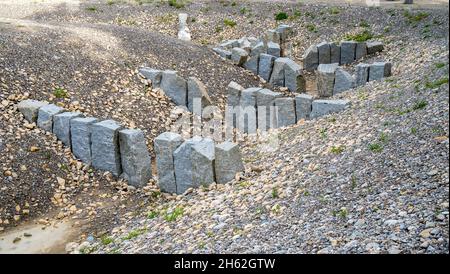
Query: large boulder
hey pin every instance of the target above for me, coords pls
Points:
(311, 58)
(105, 146)
(61, 126)
(293, 77)
(153, 75)
(194, 163)
(285, 111)
(165, 145)
(265, 100)
(265, 66)
(303, 106)
(343, 81)
(135, 159)
(30, 109)
(197, 93)
(324, 53)
(325, 79)
(81, 131)
(174, 87)
(348, 52)
(324, 107)
(228, 162)
(45, 116)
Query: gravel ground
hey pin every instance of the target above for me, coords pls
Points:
(372, 179)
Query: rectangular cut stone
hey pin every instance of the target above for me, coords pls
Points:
(233, 100)
(374, 47)
(135, 159)
(362, 74)
(272, 36)
(285, 111)
(229, 44)
(265, 101)
(265, 66)
(277, 76)
(81, 130)
(387, 69)
(324, 53)
(335, 53)
(234, 93)
(325, 79)
(361, 50)
(45, 116)
(376, 71)
(165, 145)
(247, 121)
(324, 107)
(30, 109)
(194, 163)
(228, 162)
(311, 58)
(343, 81)
(253, 40)
(273, 49)
(153, 75)
(285, 32)
(239, 56)
(196, 89)
(105, 146)
(174, 87)
(226, 54)
(258, 49)
(286, 49)
(61, 126)
(293, 77)
(252, 64)
(348, 51)
(303, 105)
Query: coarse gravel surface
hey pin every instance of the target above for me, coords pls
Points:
(371, 179)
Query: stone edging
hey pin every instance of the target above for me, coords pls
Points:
(106, 145)
(267, 57)
(344, 53)
(182, 92)
(266, 109)
(332, 79)
(194, 162)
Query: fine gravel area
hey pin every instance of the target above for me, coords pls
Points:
(371, 179)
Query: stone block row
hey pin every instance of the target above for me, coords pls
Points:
(256, 108)
(182, 92)
(344, 53)
(105, 145)
(183, 164)
(267, 57)
(332, 79)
